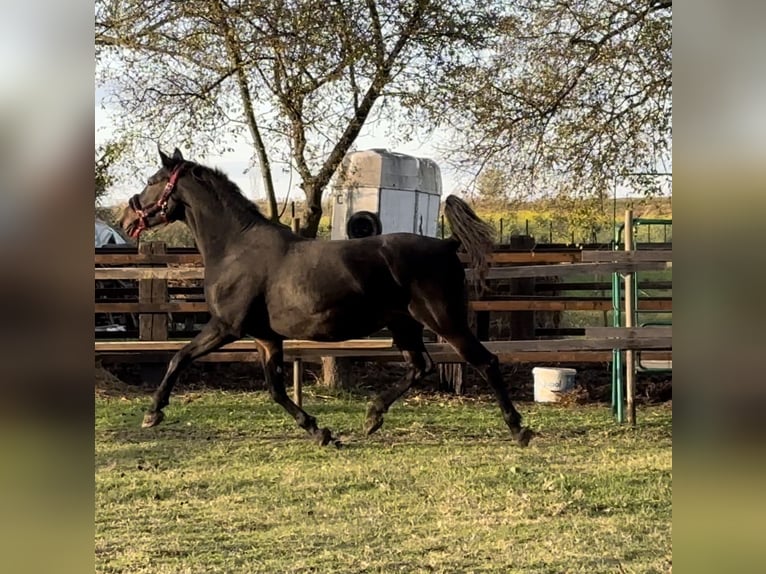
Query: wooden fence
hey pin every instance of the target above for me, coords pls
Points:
(150, 297)
(153, 266)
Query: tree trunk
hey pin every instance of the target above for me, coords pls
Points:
(313, 213)
(336, 373)
(452, 378)
(235, 59)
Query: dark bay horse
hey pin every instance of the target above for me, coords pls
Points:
(264, 281)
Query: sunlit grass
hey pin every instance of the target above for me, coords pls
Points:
(229, 484)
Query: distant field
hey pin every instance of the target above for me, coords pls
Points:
(230, 484)
(545, 225)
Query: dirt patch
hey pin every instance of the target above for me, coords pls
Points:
(109, 385)
(593, 381)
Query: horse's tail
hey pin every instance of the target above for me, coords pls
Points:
(476, 236)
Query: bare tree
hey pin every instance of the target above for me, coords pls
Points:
(299, 79)
(575, 95)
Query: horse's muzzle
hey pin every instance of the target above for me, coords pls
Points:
(130, 222)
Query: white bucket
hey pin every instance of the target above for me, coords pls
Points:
(550, 381)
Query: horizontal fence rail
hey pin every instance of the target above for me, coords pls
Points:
(153, 267)
(383, 349)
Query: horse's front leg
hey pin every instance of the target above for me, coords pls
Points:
(212, 336)
(273, 368)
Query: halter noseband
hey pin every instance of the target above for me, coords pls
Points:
(160, 205)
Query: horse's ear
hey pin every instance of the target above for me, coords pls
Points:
(166, 160)
(170, 162)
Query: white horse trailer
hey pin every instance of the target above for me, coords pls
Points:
(377, 191)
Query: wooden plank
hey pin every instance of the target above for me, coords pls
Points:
(598, 286)
(596, 344)
(164, 356)
(557, 332)
(632, 332)
(572, 269)
(243, 344)
(131, 307)
(630, 312)
(122, 293)
(361, 347)
(498, 257)
(529, 257)
(144, 298)
(298, 382)
(557, 270)
(450, 356)
(102, 273)
(442, 352)
(549, 357)
(661, 255)
(503, 305)
(361, 344)
(655, 304)
(558, 357)
(147, 258)
(643, 364)
(532, 257)
(159, 295)
(552, 357)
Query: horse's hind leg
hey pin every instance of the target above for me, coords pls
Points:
(447, 317)
(213, 335)
(273, 368)
(471, 349)
(408, 336)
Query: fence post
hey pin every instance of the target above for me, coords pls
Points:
(298, 382)
(297, 363)
(144, 296)
(523, 322)
(630, 277)
(152, 326)
(451, 376)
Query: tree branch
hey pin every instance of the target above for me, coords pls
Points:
(596, 49)
(377, 33)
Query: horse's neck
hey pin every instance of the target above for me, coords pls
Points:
(217, 234)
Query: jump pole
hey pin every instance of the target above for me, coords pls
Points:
(297, 363)
(630, 286)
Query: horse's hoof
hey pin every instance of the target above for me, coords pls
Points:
(524, 436)
(324, 437)
(373, 424)
(152, 419)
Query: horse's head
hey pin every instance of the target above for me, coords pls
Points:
(158, 203)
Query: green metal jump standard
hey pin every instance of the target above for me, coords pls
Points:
(619, 365)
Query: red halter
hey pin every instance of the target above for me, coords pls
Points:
(160, 205)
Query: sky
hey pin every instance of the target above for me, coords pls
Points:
(235, 163)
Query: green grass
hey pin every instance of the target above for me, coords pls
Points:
(229, 484)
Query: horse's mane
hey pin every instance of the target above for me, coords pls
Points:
(228, 193)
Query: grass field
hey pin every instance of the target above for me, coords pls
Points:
(229, 484)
